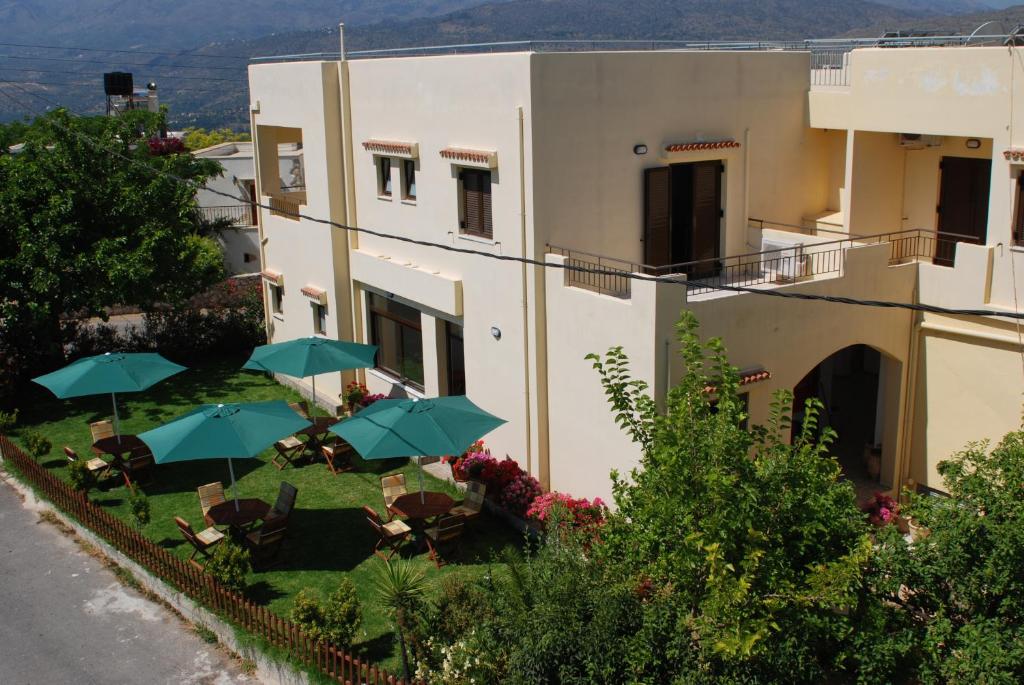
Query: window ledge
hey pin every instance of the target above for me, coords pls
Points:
(407, 201)
(1017, 248)
(475, 238)
(413, 392)
(385, 198)
(277, 317)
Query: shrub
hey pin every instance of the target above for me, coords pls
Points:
(138, 508)
(335, 621)
(578, 512)
(519, 493)
(37, 444)
(883, 509)
(8, 420)
(230, 566)
(79, 476)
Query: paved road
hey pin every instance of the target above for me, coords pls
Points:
(64, 618)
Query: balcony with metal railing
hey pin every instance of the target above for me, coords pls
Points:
(784, 263)
(237, 215)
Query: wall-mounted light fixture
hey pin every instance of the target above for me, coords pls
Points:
(973, 143)
(640, 149)
(496, 332)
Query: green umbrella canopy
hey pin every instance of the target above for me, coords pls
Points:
(112, 372)
(416, 428)
(218, 431)
(310, 356)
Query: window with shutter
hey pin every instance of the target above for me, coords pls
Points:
(657, 216)
(1018, 212)
(476, 203)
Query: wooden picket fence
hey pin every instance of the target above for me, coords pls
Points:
(325, 658)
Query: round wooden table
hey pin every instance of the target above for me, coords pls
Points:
(115, 447)
(433, 504)
(249, 511)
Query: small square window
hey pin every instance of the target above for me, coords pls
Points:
(408, 179)
(276, 299)
(319, 318)
(384, 176)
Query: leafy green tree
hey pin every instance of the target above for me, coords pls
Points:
(85, 222)
(757, 548)
(958, 593)
(199, 138)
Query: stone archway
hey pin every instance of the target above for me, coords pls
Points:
(860, 390)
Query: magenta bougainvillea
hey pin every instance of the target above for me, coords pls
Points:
(883, 509)
(582, 513)
(166, 146)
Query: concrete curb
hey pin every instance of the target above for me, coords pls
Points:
(268, 670)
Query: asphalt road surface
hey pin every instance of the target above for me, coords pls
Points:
(65, 618)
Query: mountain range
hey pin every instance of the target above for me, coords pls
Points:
(203, 77)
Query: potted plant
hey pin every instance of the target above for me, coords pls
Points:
(353, 396)
(883, 510)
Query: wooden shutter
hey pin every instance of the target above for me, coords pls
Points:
(707, 211)
(657, 216)
(1018, 212)
(476, 202)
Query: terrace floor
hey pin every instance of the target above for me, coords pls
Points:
(328, 536)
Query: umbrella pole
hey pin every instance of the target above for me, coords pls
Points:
(419, 465)
(234, 486)
(117, 422)
(313, 407)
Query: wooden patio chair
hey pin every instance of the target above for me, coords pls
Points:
(100, 430)
(138, 468)
(265, 542)
(473, 503)
(286, 495)
(301, 408)
(210, 495)
(390, 534)
(392, 487)
(338, 455)
(201, 542)
(448, 530)
(97, 467)
(287, 450)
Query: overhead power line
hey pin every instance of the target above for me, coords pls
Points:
(123, 64)
(130, 52)
(789, 295)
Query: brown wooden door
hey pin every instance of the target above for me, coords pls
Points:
(705, 231)
(963, 204)
(254, 211)
(657, 216)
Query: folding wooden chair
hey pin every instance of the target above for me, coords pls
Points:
(282, 508)
(265, 542)
(392, 487)
(338, 455)
(138, 467)
(100, 430)
(201, 542)
(390, 534)
(287, 450)
(210, 495)
(97, 467)
(448, 530)
(473, 503)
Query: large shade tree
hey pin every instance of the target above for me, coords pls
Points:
(87, 220)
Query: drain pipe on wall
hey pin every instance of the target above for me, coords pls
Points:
(525, 280)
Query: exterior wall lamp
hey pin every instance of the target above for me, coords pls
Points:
(496, 332)
(640, 149)
(973, 143)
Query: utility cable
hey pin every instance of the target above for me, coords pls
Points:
(809, 297)
(131, 52)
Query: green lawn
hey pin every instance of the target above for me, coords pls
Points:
(328, 534)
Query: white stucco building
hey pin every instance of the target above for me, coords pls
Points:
(887, 174)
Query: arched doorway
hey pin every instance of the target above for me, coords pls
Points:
(859, 388)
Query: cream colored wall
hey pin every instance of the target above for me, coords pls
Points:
(786, 337)
(305, 95)
(922, 177)
(876, 184)
(591, 109)
(439, 102)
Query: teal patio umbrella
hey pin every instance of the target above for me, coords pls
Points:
(224, 431)
(310, 356)
(111, 372)
(416, 428)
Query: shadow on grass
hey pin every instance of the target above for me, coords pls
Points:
(376, 649)
(328, 539)
(263, 593)
(170, 543)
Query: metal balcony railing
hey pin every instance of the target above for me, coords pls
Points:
(781, 265)
(238, 215)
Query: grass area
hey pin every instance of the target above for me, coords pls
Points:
(328, 536)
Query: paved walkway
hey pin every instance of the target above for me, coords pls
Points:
(65, 618)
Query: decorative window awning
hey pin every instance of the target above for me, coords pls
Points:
(395, 148)
(698, 147)
(746, 378)
(482, 158)
(1014, 154)
(318, 295)
(273, 277)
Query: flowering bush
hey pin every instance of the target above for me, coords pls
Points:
(371, 398)
(583, 513)
(883, 509)
(165, 146)
(519, 493)
(354, 393)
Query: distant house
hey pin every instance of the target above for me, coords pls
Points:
(241, 244)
